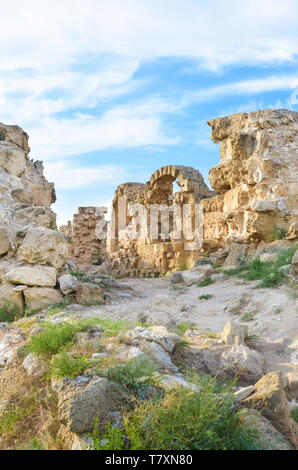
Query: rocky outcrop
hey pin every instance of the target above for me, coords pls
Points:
(31, 250)
(257, 177)
(270, 399)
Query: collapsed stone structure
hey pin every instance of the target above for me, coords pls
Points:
(255, 199)
(159, 252)
(85, 246)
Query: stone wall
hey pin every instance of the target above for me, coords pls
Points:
(148, 255)
(84, 244)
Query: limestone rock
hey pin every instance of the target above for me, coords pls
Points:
(257, 176)
(40, 297)
(4, 242)
(84, 399)
(88, 294)
(196, 275)
(245, 362)
(10, 297)
(68, 284)
(9, 345)
(270, 399)
(12, 159)
(292, 384)
(40, 276)
(44, 246)
(234, 334)
(34, 366)
(157, 334)
(158, 354)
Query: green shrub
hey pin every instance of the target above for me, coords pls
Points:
(206, 297)
(269, 273)
(54, 338)
(66, 365)
(184, 420)
(135, 376)
(205, 283)
(182, 328)
(10, 313)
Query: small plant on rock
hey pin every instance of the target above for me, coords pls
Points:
(67, 365)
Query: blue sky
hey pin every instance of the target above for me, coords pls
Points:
(110, 90)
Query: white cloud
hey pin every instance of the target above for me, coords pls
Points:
(57, 32)
(118, 128)
(70, 176)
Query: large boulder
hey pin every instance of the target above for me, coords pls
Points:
(41, 297)
(157, 334)
(10, 296)
(4, 242)
(270, 399)
(41, 276)
(244, 362)
(44, 246)
(84, 399)
(89, 294)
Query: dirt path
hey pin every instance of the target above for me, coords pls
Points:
(272, 313)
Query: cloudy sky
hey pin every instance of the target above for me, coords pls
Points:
(110, 90)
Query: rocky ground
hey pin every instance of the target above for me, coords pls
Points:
(203, 321)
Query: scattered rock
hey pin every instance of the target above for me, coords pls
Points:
(244, 362)
(88, 294)
(68, 284)
(234, 334)
(34, 366)
(9, 346)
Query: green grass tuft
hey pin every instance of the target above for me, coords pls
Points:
(10, 313)
(205, 283)
(66, 365)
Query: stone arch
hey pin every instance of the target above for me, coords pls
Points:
(190, 181)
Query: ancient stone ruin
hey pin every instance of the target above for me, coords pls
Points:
(255, 200)
(85, 246)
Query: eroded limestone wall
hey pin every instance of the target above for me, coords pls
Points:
(257, 178)
(85, 247)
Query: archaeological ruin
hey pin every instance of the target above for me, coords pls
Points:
(254, 200)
